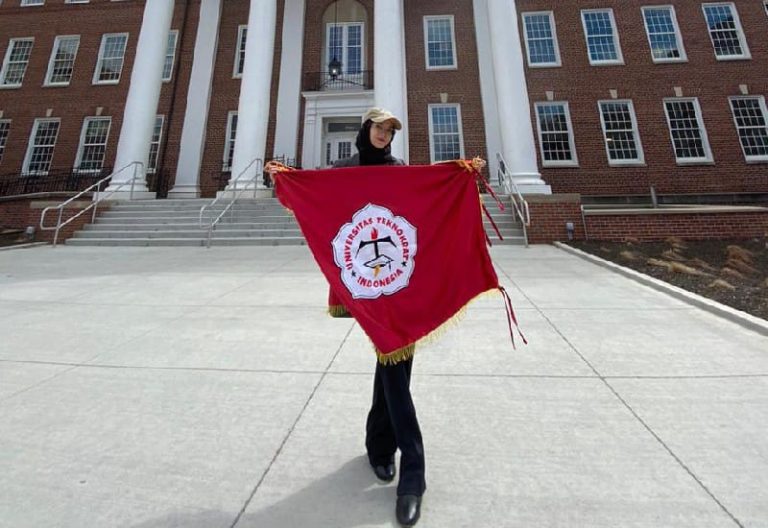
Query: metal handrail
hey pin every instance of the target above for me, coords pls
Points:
(98, 198)
(518, 201)
(235, 197)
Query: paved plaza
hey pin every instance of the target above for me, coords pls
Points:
(194, 388)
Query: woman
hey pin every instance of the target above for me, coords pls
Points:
(392, 421)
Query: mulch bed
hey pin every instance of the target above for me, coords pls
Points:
(731, 272)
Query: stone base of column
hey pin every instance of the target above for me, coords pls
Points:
(184, 191)
(531, 184)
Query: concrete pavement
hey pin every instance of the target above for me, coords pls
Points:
(185, 387)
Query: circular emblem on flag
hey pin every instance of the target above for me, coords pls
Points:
(375, 252)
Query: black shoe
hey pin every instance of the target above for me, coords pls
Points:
(384, 472)
(408, 509)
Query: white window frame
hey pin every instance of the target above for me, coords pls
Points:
(765, 5)
(31, 144)
(52, 60)
(640, 160)
(174, 33)
(745, 53)
(555, 43)
(708, 159)
(678, 35)
(6, 61)
(81, 146)
(30, 3)
(100, 60)
(619, 60)
(237, 72)
(761, 104)
(159, 143)
(5, 140)
(229, 143)
(455, 64)
(77, 1)
(574, 161)
(431, 128)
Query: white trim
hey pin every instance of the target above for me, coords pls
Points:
(237, 69)
(574, 161)
(745, 53)
(678, 35)
(100, 59)
(175, 33)
(553, 28)
(708, 158)
(619, 60)
(81, 145)
(4, 71)
(427, 20)
(640, 160)
(52, 60)
(344, 45)
(31, 143)
(432, 107)
(5, 143)
(764, 110)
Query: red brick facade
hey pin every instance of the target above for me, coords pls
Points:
(647, 84)
(21, 212)
(577, 82)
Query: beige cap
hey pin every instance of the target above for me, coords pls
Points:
(379, 115)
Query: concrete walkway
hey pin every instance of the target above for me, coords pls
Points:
(184, 387)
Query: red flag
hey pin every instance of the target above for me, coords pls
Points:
(402, 247)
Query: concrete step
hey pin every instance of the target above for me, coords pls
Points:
(197, 233)
(113, 226)
(169, 242)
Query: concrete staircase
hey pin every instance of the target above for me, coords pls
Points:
(252, 222)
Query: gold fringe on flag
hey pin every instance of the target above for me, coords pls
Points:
(407, 352)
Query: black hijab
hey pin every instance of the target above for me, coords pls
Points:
(370, 155)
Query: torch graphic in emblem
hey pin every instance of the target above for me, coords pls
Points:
(379, 260)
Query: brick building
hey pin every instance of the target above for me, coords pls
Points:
(602, 98)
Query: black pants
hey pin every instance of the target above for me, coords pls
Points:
(392, 423)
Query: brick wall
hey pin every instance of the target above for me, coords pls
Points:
(646, 83)
(650, 227)
(81, 98)
(18, 213)
(549, 215)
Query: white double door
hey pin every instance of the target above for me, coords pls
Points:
(339, 145)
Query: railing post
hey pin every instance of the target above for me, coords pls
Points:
(58, 227)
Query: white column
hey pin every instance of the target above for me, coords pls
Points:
(193, 134)
(389, 67)
(518, 146)
(255, 86)
(144, 93)
(289, 94)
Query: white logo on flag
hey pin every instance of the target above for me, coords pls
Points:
(375, 252)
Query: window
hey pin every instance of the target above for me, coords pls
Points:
(445, 135)
(602, 40)
(154, 145)
(750, 116)
(15, 63)
(541, 39)
(663, 34)
(765, 4)
(170, 55)
(111, 55)
(242, 36)
(41, 144)
(725, 31)
(32, 2)
(229, 143)
(686, 128)
(76, 1)
(62, 62)
(439, 41)
(5, 127)
(622, 140)
(344, 42)
(93, 144)
(555, 135)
